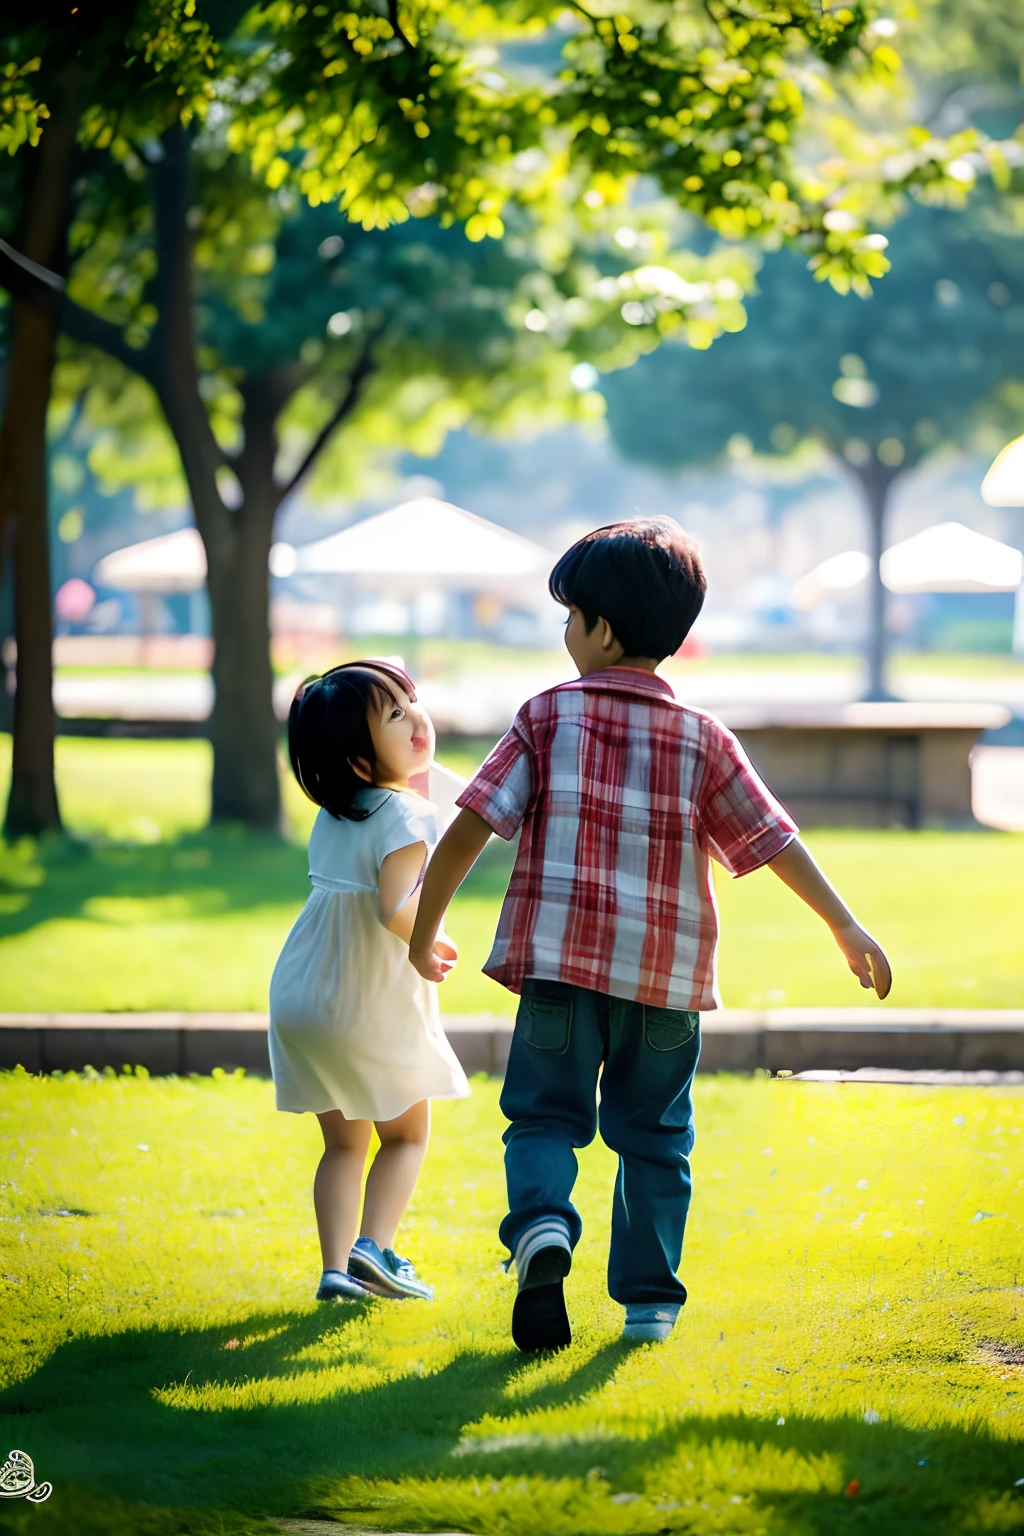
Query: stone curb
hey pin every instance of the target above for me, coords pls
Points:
(733, 1040)
(336, 1528)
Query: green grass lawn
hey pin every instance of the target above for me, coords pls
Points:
(439, 655)
(856, 1314)
(142, 909)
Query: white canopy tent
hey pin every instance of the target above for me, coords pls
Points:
(833, 577)
(951, 558)
(945, 558)
(175, 562)
(420, 544)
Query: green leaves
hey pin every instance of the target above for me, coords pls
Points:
(143, 64)
(418, 112)
(22, 114)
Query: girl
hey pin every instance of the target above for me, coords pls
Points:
(355, 1034)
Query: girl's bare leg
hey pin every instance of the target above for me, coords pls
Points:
(337, 1185)
(393, 1173)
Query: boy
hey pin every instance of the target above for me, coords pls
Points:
(609, 926)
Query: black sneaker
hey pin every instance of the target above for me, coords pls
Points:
(539, 1318)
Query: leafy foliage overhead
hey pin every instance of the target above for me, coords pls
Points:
(428, 111)
(935, 351)
(296, 300)
(146, 63)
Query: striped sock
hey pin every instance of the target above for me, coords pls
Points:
(550, 1232)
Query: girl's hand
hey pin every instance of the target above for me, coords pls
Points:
(865, 957)
(434, 963)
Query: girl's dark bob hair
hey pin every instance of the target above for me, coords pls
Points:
(328, 730)
(644, 576)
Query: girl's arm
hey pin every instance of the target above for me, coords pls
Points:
(398, 890)
(451, 862)
(864, 955)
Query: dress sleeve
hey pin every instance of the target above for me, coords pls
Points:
(500, 790)
(746, 824)
(405, 819)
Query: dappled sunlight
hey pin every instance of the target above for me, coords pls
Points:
(132, 910)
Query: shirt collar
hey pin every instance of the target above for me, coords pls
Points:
(634, 680)
(371, 798)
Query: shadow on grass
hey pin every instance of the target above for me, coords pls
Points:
(221, 870)
(124, 1413)
(167, 1431)
(225, 869)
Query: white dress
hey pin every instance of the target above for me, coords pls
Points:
(353, 1026)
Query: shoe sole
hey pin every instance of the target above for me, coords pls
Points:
(539, 1318)
(343, 1295)
(380, 1284)
(645, 1333)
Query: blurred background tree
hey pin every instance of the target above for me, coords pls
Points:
(879, 383)
(73, 78)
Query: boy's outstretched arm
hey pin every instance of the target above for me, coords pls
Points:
(864, 955)
(451, 862)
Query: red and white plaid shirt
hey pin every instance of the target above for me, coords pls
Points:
(621, 793)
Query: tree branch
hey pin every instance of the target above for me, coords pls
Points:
(46, 292)
(396, 24)
(29, 282)
(92, 330)
(364, 367)
(582, 11)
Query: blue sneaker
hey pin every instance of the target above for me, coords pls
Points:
(335, 1286)
(649, 1322)
(385, 1274)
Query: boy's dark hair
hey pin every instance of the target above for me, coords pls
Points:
(643, 576)
(328, 729)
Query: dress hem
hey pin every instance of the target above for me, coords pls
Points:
(288, 1109)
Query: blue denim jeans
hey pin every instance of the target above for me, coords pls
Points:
(566, 1039)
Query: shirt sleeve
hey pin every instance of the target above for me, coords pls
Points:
(501, 789)
(746, 824)
(405, 820)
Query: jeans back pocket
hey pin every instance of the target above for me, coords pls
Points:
(545, 1014)
(668, 1029)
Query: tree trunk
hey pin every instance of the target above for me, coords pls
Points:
(877, 634)
(875, 482)
(32, 802)
(237, 543)
(243, 728)
(245, 778)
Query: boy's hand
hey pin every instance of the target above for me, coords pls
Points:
(865, 957)
(435, 962)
